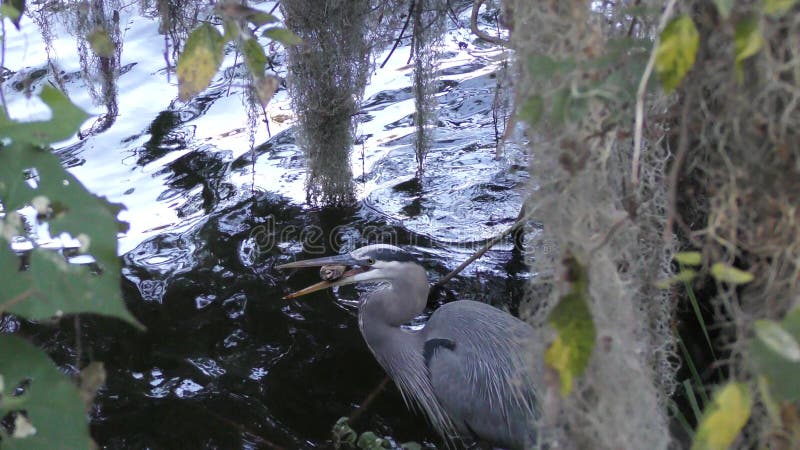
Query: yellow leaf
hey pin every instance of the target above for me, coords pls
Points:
(729, 274)
(557, 356)
(199, 61)
(101, 42)
(676, 51)
(724, 418)
(689, 258)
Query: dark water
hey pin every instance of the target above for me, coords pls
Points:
(225, 363)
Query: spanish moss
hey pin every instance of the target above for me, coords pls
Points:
(327, 75)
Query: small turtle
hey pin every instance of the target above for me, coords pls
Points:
(331, 273)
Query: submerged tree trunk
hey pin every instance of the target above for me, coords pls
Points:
(327, 74)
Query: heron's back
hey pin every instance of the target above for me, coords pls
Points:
(479, 362)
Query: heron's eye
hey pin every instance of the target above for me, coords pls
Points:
(370, 261)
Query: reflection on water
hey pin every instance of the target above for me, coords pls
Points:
(225, 362)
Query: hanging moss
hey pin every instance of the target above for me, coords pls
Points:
(579, 70)
(327, 75)
(429, 19)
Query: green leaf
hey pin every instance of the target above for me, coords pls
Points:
(532, 109)
(51, 402)
(343, 433)
(689, 258)
(724, 418)
(747, 42)
(676, 51)
(199, 61)
(684, 276)
(777, 339)
(51, 287)
(724, 7)
(569, 353)
(13, 9)
(101, 42)
(778, 7)
(66, 118)
(54, 285)
(560, 106)
(10, 12)
(781, 373)
(254, 57)
(283, 36)
(261, 18)
(729, 274)
(230, 30)
(371, 441)
(236, 11)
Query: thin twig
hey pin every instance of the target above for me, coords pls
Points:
(520, 221)
(10, 303)
(674, 171)
(367, 401)
(399, 38)
(637, 131)
(3, 64)
(78, 345)
(244, 430)
(608, 235)
(634, 22)
(473, 25)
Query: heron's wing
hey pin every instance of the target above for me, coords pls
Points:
(478, 359)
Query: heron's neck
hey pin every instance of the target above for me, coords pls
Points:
(397, 301)
(398, 350)
(383, 311)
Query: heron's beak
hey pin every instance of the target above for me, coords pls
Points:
(347, 277)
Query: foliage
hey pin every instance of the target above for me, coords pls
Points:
(344, 436)
(50, 414)
(101, 42)
(747, 42)
(676, 51)
(199, 61)
(66, 118)
(776, 355)
(47, 410)
(570, 351)
(724, 418)
(204, 50)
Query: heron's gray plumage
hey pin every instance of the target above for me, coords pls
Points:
(466, 370)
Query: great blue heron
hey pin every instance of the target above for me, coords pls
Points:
(468, 369)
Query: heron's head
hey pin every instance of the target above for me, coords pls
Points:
(379, 262)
